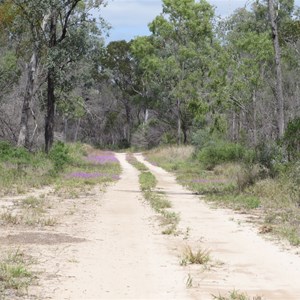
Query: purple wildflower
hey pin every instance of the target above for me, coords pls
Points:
(102, 159)
(85, 175)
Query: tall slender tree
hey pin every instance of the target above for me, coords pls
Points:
(277, 57)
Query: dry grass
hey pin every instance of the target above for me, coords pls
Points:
(169, 157)
(236, 295)
(200, 257)
(174, 152)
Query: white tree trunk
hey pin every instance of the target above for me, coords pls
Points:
(278, 87)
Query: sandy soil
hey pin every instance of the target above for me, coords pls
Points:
(109, 246)
(248, 262)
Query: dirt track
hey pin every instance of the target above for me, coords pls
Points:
(112, 248)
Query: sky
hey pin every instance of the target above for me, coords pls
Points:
(129, 18)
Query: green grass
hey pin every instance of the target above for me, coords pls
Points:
(236, 295)
(21, 170)
(14, 274)
(147, 181)
(157, 200)
(138, 165)
(15, 179)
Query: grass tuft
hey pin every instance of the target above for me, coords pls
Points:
(200, 257)
(14, 273)
(236, 295)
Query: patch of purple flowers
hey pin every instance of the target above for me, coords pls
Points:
(102, 159)
(85, 175)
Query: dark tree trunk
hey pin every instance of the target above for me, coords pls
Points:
(178, 122)
(278, 87)
(254, 118)
(49, 123)
(184, 131)
(128, 121)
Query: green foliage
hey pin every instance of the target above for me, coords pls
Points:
(218, 152)
(270, 156)
(147, 181)
(293, 181)
(291, 139)
(9, 71)
(14, 273)
(59, 155)
(14, 155)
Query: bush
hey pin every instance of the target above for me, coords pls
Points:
(59, 155)
(218, 152)
(294, 181)
(249, 175)
(291, 139)
(270, 156)
(16, 155)
(203, 137)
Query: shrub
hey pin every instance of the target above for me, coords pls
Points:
(59, 154)
(291, 139)
(270, 156)
(294, 182)
(15, 155)
(219, 152)
(203, 137)
(249, 175)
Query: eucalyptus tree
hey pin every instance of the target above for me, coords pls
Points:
(249, 56)
(178, 55)
(120, 69)
(9, 69)
(278, 68)
(59, 32)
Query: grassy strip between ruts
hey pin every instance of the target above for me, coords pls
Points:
(157, 201)
(272, 200)
(236, 295)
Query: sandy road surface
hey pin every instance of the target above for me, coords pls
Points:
(125, 258)
(109, 246)
(250, 263)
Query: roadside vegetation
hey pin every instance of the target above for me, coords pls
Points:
(158, 201)
(37, 192)
(66, 165)
(257, 181)
(15, 276)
